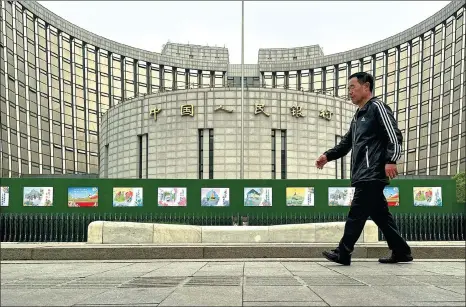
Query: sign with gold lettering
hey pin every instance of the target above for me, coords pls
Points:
(187, 110)
(326, 114)
(296, 111)
(154, 113)
(260, 109)
(221, 107)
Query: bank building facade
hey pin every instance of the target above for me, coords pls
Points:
(73, 102)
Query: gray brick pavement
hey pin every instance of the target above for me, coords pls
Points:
(250, 282)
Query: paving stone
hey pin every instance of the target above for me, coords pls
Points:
(387, 280)
(36, 283)
(177, 269)
(287, 304)
(215, 270)
(356, 296)
(279, 293)
(46, 297)
(457, 289)
(213, 281)
(331, 281)
(204, 296)
(128, 297)
(96, 281)
(266, 272)
(135, 269)
(438, 280)
(223, 283)
(262, 264)
(153, 282)
(427, 293)
(438, 303)
(316, 273)
(271, 281)
(302, 266)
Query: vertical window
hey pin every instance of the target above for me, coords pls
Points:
(304, 81)
(143, 141)
(280, 77)
(211, 153)
(201, 152)
(341, 81)
(205, 79)
(329, 81)
(180, 79)
(267, 80)
(293, 80)
(106, 162)
(316, 84)
(142, 79)
(116, 72)
(218, 79)
(168, 78)
(155, 78)
(193, 78)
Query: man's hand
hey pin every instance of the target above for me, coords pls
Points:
(321, 161)
(391, 171)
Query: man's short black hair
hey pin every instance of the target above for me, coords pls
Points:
(364, 77)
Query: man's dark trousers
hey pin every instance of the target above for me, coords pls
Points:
(369, 200)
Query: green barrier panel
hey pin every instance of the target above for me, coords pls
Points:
(150, 188)
(60, 223)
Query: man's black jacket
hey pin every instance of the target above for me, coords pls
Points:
(374, 140)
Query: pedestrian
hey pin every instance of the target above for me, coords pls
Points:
(375, 144)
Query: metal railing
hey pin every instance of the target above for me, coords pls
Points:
(72, 227)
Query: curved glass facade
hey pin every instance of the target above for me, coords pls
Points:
(56, 81)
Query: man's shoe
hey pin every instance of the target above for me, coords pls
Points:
(396, 258)
(336, 256)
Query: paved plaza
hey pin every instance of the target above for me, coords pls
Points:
(254, 282)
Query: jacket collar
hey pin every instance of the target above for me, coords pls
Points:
(365, 107)
(368, 103)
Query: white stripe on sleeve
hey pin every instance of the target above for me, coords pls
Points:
(390, 130)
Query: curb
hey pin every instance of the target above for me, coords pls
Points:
(83, 251)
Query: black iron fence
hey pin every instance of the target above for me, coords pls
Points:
(72, 227)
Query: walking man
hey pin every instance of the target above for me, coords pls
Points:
(375, 142)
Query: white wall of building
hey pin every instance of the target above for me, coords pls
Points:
(173, 139)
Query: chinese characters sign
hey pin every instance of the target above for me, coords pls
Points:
(296, 111)
(187, 110)
(326, 114)
(223, 109)
(154, 112)
(259, 108)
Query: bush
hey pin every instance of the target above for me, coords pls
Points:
(460, 187)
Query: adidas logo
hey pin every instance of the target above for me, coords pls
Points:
(363, 119)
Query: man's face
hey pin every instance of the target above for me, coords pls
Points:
(357, 91)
